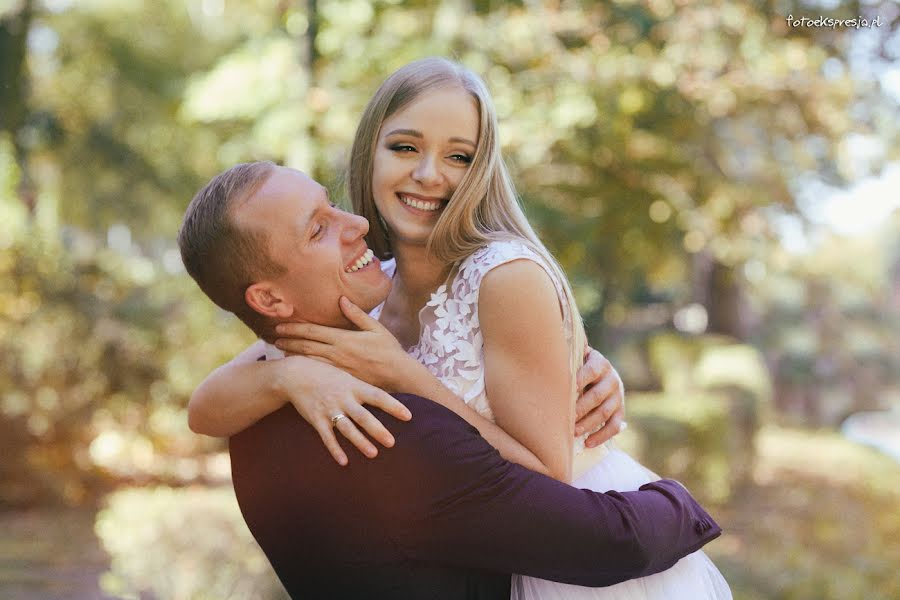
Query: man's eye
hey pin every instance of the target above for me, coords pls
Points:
(317, 232)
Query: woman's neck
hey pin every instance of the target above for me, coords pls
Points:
(419, 273)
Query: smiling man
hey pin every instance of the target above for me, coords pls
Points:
(440, 515)
(277, 248)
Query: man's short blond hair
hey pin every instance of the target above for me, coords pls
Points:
(225, 259)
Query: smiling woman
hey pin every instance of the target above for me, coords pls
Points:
(477, 301)
(421, 156)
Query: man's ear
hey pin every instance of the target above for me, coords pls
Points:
(267, 300)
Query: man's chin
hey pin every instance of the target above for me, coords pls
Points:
(373, 296)
(369, 303)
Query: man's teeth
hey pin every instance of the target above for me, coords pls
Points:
(361, 261)
(421, 205)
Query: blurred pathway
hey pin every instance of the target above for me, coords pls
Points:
(50, 555)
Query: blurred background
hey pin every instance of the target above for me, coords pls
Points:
(719, 179)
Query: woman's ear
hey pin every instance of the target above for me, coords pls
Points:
(266, 299)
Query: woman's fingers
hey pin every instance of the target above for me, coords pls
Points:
(370, 425)
(326, 432)
(305, 347)
(589, 408)
(614, 425)
(308, 331)
(369, 422)
(594, 369)
(348, 429)
(381, 399)
(358, 316)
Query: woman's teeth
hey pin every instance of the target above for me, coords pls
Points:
(361, 261)
(420, 204)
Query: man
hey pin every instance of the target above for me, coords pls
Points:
(440, 515)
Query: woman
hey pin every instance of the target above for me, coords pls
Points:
(476, 298)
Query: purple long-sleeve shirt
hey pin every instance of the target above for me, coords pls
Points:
(443, 515)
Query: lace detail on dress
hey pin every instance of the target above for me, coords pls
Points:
(451, 344)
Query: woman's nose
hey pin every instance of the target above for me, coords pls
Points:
(426, 172)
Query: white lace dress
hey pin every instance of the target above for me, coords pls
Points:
(451, 346)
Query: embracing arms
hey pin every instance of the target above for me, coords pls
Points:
(244, 390)
(488, 513)
(373, 354)
(444, 496)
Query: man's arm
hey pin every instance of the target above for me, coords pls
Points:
(478, 510)
(444, 497)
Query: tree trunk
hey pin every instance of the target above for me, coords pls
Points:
(726, 306)
(14, 91)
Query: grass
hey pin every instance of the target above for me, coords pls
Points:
(821, 520)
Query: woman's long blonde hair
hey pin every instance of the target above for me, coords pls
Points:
(483, 208)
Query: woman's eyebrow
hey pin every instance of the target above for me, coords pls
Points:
(463, 141)
(410, 132)
(418, 134)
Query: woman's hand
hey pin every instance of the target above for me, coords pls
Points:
(320, 392)
(371, 354)
(601, 406)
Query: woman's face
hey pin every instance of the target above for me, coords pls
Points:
(422, 153)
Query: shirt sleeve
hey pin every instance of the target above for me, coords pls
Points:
(471, 508)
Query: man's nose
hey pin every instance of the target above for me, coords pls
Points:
(354, 228)
(426, 172)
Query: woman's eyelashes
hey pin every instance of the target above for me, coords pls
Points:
(458, 157)
(462, 158)
(402, 148)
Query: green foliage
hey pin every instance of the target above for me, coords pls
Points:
(702, 426)
(647, 139)
(686, 437)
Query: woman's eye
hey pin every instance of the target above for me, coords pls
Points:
(317, 232)
(461, 158)
(402, 148)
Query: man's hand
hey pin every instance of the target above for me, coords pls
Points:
(601, 406)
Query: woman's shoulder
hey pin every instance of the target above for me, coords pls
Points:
(489, 257)
(498, 252)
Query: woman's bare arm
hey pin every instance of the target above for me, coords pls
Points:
(526, 361)
(235, 395)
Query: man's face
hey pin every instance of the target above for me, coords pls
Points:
(320, 246)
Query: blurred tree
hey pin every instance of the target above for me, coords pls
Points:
(15, 23)
(652, 142)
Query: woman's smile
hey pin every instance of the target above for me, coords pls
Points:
(423, 152)
(422, 204)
